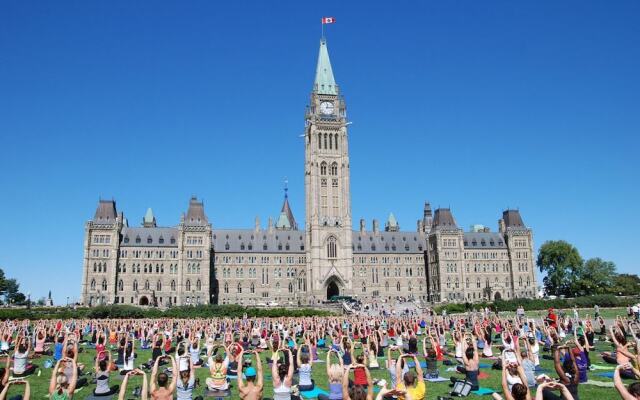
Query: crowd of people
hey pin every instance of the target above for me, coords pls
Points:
(408, 353)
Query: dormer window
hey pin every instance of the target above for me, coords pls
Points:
(149, 239)
(161, 240)
(126, 239)
(173, 240)
(138, 240)
(226, 246)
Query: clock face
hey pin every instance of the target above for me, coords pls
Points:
(326, 107)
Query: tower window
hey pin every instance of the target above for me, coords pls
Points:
(325, 141)
(323, 168)
(335, 137)
(332, 251)
(334, 168)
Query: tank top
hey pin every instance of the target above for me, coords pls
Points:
(102, 382)
(335, 391)
(304, 374)
(282, 392)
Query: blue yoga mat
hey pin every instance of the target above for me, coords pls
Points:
(606, 374)
(411, 364)
(485, 365)
(313, 394)
(482, 391)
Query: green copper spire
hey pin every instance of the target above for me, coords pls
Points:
(324, 83)
(149, 220)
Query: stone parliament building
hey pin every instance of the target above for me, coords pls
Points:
(193, 263)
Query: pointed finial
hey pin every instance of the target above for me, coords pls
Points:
(286, 187)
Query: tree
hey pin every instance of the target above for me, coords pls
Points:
(626, 285)
(595, 276)
(12, 290)
(560, 260)
(3, 282)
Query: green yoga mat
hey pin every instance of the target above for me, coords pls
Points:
(600, 367)
(482, 391)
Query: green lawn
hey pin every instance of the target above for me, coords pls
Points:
(39, 384)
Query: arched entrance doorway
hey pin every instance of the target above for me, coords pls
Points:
(497, 296)
(332, 290)
(144, 301)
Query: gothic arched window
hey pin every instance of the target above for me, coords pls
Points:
(188, 285)
(198, 285)
(330, 141)
(323, 168)
(334, 168)
(239, 288)
(159, 286)
(104, 284)
(173, 286)
(335, 137)
(332, 248)
(252, 288)
(135, 285)
(325, 140)
(120, 285)
(226, 287)
(398, 286)
(146, 285)
(93, 284)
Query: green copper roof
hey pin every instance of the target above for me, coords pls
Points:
(283, 221)
(392, 220)
(149, 219)
(324, 83)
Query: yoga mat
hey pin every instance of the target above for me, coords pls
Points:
(600, 367)
(482, 391)
(94, 397)
(438, 379)
(485, 365)
(606, 375)
(599, 383)
(411, 364)
(217, 393)
(313, 394)
(483, 375)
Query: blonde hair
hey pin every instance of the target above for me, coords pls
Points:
(335, 372)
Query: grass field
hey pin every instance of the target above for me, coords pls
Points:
(40, 380)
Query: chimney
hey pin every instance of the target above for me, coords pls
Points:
(376, 227)
(501, 227)
(257, 224)
(363, 225)
(270, 225)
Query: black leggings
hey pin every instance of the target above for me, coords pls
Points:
(30, 369)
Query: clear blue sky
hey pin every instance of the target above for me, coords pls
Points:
(474, 105)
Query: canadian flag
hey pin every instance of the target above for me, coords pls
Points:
(328, 20)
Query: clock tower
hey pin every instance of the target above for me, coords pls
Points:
(328, 230)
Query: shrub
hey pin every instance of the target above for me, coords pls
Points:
(605, 300)
(127, 311)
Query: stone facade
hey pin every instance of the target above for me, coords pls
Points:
(194, 263)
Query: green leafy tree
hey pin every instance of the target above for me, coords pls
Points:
(626, 285)
(12, 289)
(560, 261)
(3, 282)
(595, 276)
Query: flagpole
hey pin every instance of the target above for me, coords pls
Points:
(322, 29)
